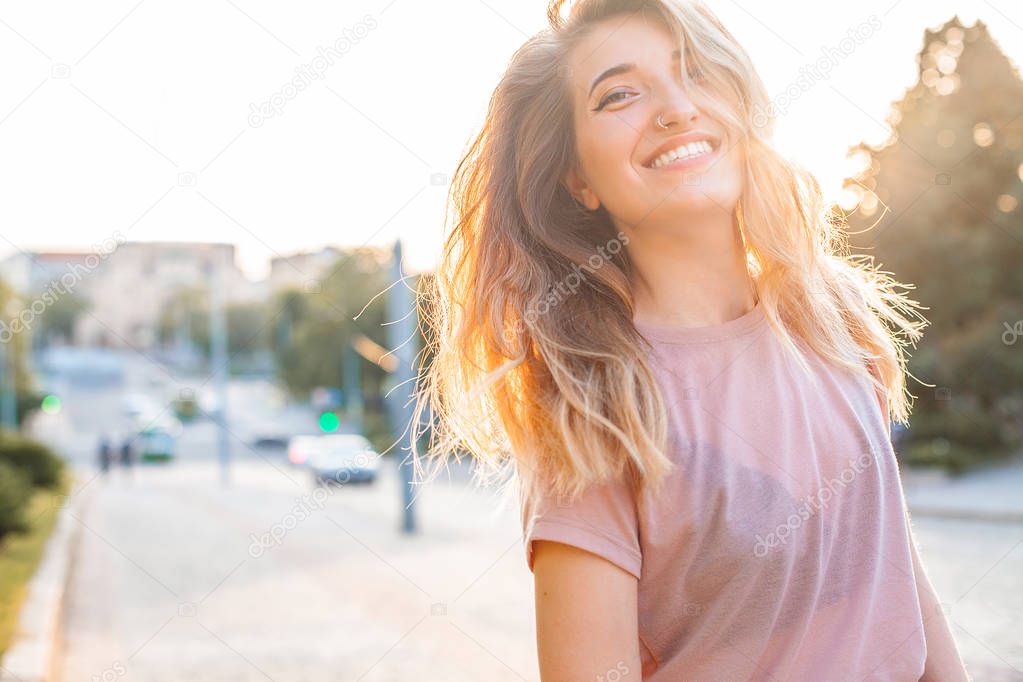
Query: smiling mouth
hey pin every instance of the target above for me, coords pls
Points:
(684, 153)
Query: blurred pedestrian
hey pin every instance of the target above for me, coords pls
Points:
(127, 455)
(106, 454)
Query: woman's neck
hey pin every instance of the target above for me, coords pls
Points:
(695, 277)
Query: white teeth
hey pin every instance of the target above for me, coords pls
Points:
(686, 151)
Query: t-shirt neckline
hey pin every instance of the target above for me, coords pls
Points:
(739, 326)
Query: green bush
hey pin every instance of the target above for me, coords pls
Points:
(968, 428)
(952, 457)
(15, 491)
(28, 402)
(39, 462)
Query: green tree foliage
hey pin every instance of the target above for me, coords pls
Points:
(313, 327)
(60, 317)
(24, 464)
(17, 340)
(940, 207)
(188, 313)
(41, 464)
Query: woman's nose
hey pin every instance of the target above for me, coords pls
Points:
(676, 109)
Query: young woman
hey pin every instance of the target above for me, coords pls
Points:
(646, 313)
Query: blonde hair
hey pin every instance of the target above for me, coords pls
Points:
(567, 399)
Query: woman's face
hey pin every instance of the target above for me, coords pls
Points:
(624, 73)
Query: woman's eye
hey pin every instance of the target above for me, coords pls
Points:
(610, 99)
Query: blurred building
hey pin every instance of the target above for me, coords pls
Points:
(127, 286)
(129, 291)
(30, 272)
(302, 270)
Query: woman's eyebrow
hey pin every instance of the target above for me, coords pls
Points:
(623, 68)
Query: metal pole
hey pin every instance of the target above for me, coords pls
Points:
(184, 336)
(353, 389)
(5, 397)
(401, 337)
(219, 360)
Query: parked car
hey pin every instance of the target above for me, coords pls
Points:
(343, 458)
(300, 447)
(135, 405)
(156, 444)
(270, 434)
(186, 407)
(270, 441)
(157, 419)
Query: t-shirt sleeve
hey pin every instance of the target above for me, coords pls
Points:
(602, 520)
(882, 399)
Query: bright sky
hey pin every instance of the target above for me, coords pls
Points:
(136, 117)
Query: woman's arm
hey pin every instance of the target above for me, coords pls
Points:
(943, 661)
(586, 616)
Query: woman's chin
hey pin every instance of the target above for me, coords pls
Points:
(697, 199)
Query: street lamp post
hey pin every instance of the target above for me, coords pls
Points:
(353, 389)
(218, 361)
(5, 392)
(402, 338)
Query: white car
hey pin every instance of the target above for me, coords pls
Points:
(343, 458)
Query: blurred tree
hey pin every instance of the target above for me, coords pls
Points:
(186, 316)
(314, 327)
(59, 319)
(16, 335)
(938, 205)
(247, 328)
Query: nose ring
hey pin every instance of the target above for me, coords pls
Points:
(660, 123)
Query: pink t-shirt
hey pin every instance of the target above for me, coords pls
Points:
(779, 549)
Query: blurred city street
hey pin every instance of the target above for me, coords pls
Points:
(236, 268)
(178, 577)
(171, 581)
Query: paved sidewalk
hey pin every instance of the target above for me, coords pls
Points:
(994, 494)
(175, 580)
(172, 582)
(969, 530)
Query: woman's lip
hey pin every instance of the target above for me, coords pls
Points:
(688, 164)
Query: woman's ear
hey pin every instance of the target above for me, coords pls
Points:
(579, 190)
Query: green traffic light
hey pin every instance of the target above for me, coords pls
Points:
(51, 404)
(329, 421)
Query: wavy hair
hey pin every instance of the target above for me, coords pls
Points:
(556, 390)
